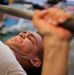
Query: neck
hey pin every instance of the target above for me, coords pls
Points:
(25, 63)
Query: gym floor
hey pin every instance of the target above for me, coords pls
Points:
(11, 20)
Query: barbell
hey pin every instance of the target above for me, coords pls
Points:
(69, 24)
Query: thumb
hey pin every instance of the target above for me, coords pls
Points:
(40, 13)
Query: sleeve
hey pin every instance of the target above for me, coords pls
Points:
(8, 63)
(15, 68)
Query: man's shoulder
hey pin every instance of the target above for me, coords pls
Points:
(8, 62)
(5, 50)
(6, 54)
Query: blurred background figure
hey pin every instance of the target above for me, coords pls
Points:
(3, 2)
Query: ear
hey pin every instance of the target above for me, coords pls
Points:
(35, 62)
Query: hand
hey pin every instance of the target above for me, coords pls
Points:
(47, 22)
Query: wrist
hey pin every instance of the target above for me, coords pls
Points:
(48, 36)
(53, 45)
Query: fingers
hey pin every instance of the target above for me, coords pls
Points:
(43, 13)
(62, 16)
(39, 14)
(46, 21)
(39, 22)
(36, 17)
(56, 16)
(52, 12)
(36, 14)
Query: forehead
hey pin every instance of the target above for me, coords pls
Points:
(37, 36)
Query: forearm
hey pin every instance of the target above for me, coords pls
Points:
(55, 60)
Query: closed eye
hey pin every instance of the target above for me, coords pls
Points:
(31, 40)
(31, 37)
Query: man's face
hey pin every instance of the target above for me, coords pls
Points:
(28, 43)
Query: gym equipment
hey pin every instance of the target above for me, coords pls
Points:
(69, 24)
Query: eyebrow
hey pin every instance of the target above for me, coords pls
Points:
(24, 32)
(33, 36)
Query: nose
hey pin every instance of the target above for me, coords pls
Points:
(24, 35)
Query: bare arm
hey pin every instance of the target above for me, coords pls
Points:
(56, 40)
(55, 56)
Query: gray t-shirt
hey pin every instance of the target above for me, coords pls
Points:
(8, 63)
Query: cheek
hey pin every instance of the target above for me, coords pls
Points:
(26, 46)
